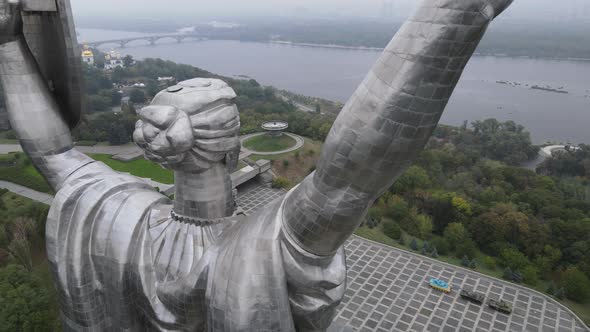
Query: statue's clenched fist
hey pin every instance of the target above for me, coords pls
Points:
(11, 25)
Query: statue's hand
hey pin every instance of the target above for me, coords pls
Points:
(11, 25)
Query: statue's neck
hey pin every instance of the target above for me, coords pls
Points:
(205, 195)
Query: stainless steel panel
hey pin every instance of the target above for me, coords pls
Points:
(39, 5)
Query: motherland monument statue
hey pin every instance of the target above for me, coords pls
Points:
(125, 257)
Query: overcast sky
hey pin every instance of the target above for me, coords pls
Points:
(543, 9)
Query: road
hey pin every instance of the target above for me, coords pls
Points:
(26, 192)
(301, 107)
(97, 149)
(544, 153)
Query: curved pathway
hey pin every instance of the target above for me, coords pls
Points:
(97, 149)
(26, 192)
(545, 153)
(246, 152)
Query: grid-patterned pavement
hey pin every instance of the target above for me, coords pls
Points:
(253, 196)
(388, 291)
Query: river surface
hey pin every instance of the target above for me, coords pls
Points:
(335, 73)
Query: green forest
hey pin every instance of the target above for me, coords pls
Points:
(466, 197)
(255, 102)
(532, 39)
(27, 299)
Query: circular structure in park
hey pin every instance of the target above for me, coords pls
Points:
(275, 128)
(269, 143)
(266, 145)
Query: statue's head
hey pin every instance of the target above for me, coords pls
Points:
(191, 126)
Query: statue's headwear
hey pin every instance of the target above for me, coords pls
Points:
(191, 125)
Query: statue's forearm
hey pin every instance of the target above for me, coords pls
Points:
(34, 115)
(386, 123)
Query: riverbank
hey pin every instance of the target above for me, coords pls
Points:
(334, 74)
(379, 49)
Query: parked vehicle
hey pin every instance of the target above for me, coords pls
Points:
(472, 296)
(501, 306)
(440, 285)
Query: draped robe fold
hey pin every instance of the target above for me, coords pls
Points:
(121, 263)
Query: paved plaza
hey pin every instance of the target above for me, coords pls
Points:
(388, 291)
(252, 196)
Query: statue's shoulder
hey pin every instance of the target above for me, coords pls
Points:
(103, 206)
(99, 181)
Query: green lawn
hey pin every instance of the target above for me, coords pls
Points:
(143, 168)
(24, 174)
(376, 234)
(140, 167)
(309, 145)
(580, 309)
(298, 163)
(267, 143)
(7, 137)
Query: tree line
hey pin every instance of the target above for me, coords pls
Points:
(27, 299)
(466, 197)
(256, 103)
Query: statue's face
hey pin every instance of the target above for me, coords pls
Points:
(191, 126)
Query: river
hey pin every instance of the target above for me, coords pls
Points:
(334, 74)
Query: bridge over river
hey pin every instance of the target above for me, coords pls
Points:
(152, 39)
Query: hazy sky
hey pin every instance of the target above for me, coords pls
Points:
(544, 9)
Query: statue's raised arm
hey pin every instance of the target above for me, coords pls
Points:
(40, 123)
(387, 121)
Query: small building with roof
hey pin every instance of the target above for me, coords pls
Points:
(88, 56)
(275, 128)
(113, 60)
